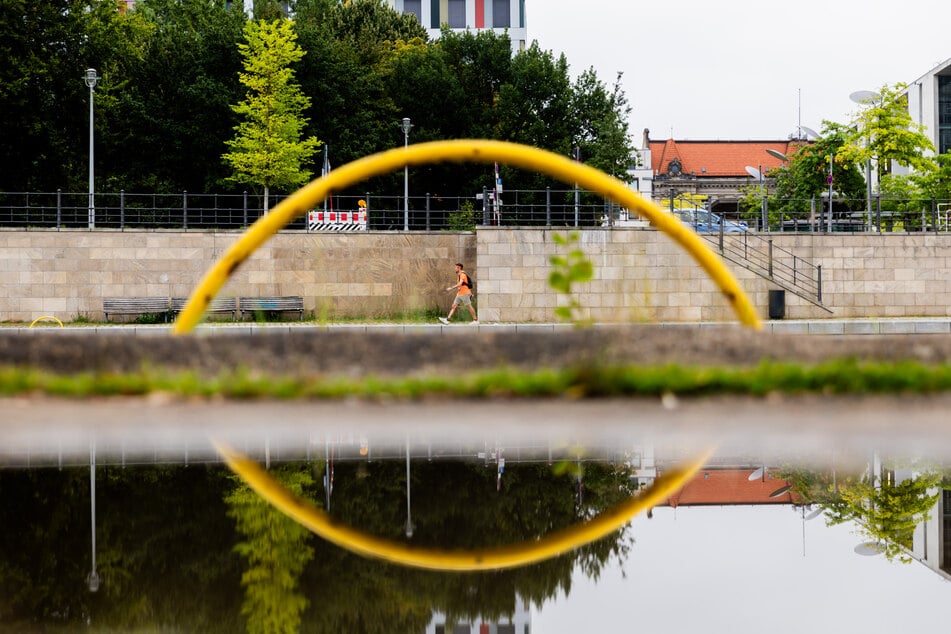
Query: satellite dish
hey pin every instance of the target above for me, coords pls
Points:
(755, 173)
(809, 132)
(864, 97)
(815, 514)
(780, 491)
(870, 548)
(756, 475)
(777, 154)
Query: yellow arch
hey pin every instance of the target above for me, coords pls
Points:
(460, 151)
(560, 542)
(46, 318)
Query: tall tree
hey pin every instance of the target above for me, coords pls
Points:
(277, 551)
(46, 48)
(172, 110)
(805, 178)
(884, 132)
(267, 149)
(601, 118)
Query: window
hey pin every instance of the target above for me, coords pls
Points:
(414, 7)
(944, 114)
(501, 14)
(457, 14)
(946, 529)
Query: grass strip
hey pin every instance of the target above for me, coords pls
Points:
(845, 376)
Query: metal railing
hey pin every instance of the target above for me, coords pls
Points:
(543, 208)
(185, 210)
(882, 214)
(760, 255)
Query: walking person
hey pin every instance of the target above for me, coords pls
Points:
(463, 296)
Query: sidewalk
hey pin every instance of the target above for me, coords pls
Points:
(867, 326)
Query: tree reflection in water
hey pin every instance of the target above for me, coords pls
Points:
(885, 509)
(190, 549)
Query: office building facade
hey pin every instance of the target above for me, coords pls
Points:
(929, 103)
(498, 15)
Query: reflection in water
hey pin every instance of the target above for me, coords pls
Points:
(190, 548)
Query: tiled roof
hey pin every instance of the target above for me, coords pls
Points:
(718, 158)
(730, 486)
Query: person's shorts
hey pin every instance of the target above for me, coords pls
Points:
(465, 300)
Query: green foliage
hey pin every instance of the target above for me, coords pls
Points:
(277, 551)
(905, 200)
(805, 177)
(170, 77)
(751, 203)
(464, 219)
(601, 125)
(267, 149)
(884, 131)
(936, 183)
(844, 376)
(572, 268)
(888, 512)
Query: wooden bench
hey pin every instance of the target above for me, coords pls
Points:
(271, 305)
(218, 305)
(135, 306)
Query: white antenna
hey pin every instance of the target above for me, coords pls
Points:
(799, 118)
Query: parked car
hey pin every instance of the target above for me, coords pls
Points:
(703, 221)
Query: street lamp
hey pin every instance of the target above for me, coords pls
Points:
(91, 78)
(92, 580)
(406, 126)
(409, 516)
(758, 174)
(866, 97)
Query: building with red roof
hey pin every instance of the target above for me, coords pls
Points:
(719, 486)
(718, 171)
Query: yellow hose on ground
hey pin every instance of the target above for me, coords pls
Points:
(460, 151)
(560, 542)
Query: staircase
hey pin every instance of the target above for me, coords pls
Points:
(783, 268)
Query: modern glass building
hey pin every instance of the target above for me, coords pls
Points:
(929, 103)
(498, 15)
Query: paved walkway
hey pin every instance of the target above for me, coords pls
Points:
(867, 326)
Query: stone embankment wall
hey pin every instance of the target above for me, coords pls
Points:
(67, 273)
(640, 275)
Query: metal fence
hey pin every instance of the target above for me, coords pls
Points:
(526, 208)
(881, 214)
(186, 210)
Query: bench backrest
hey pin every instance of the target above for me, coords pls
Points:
(272, 303)
(218, 304)
(135, 304)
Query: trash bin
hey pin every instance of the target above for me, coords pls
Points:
(777, 303)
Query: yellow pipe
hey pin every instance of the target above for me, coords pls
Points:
(307, 514)
(460, 151)
(46, 318)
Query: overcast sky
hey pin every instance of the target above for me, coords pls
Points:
(736, 69)
(742, 570)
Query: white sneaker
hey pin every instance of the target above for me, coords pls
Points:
(444, 320)
(475, 322)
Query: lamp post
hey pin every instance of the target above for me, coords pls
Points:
(406, 126)
(91, 78)
(758, 174)
(866, 97)
(92, 580)
(409, 515)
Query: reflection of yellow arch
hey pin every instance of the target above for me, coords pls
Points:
(308, 515)
(46, 318)
(465, 150)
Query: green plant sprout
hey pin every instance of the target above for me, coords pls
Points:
(575, 267)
